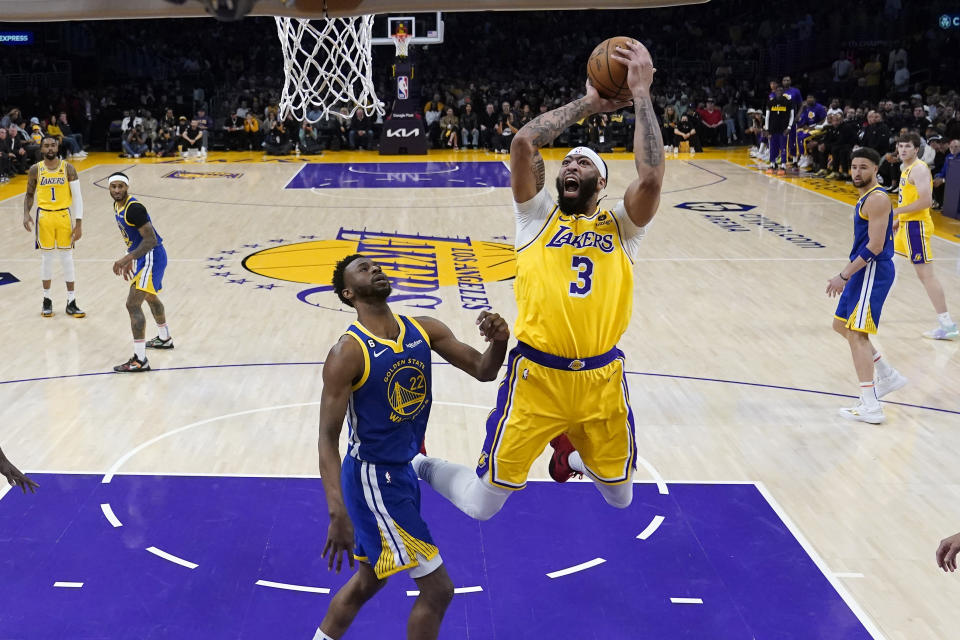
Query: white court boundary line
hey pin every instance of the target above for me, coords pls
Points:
(686, 600)
(112, 471)
(458, 590)
(583, 566)
(68, 585)
(110, 515)
(651, 528)
(172, 558)
(292, 587)
(847, 597)
(6, 487)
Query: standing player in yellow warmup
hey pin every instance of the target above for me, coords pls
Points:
(57, 188)
(913, 227)
(574, 293)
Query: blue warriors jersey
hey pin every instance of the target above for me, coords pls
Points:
(130, 232)
(390, 404)
(861, 226)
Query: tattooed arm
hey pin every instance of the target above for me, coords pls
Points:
(526, 164)
(32, 178)
(643, 195)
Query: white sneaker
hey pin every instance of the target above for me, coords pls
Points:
(943, 333)
(863, 414)
(890, 383)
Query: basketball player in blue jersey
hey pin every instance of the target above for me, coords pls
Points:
(863, 285)
(379, 376)
(565, 383)
(14, 476)
(143, 265)
(56, 185)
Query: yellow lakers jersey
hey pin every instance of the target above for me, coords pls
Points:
(53, 189)
(574, 284)
(908, 195)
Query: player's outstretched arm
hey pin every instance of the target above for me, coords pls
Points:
(482, 366)
(344, 365)
(526, 163)
(14, 476)
(643, 195)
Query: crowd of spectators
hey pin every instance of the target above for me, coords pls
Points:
(477, 92)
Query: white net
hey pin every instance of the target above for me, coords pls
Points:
(327, 65)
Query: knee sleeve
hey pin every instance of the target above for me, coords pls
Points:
(616, 495)
(46, 265)
(482, 500)
(66, 261)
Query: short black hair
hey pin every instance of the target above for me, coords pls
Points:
(868, 153)
(338, 276)
(47, 135)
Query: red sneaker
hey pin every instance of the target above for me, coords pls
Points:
(559, 467)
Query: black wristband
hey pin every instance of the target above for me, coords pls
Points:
(842, 278)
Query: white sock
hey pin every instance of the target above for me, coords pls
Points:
(320, 635)
(46, 293)
(460, 485)
(883, 369)
(945, 320)
(140, 349)
(868, 395)
(164, 331)
(576, 462)
(71, 295)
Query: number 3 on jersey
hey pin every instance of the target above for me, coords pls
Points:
(584, 268)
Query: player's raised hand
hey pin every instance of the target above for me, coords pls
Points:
(947, 553)
(493, 328)
(339, 541)
(639, 65)
(600, 104)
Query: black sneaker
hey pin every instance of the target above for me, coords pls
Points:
(159, 343)
(74, 310)
(47, 308)
(133, 365)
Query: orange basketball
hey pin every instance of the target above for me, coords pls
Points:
(606, 74)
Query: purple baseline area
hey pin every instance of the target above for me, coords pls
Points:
(400, 175)
(719, 542)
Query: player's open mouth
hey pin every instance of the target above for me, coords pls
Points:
(571, 185)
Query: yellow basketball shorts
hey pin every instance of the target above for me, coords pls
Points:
(913, 240)
(53, 229)
(543, 396)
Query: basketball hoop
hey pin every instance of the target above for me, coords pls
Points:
(402, 42)
(327, 64)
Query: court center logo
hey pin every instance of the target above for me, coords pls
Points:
(406, 389)
(418, 266)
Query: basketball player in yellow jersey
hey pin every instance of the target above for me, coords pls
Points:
(913, 226)
(565, 380)
(56, 185)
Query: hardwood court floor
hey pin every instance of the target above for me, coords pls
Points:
(736, 375)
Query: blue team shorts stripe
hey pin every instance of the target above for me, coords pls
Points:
(861, 302)
(499, 416)
(915, 241)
